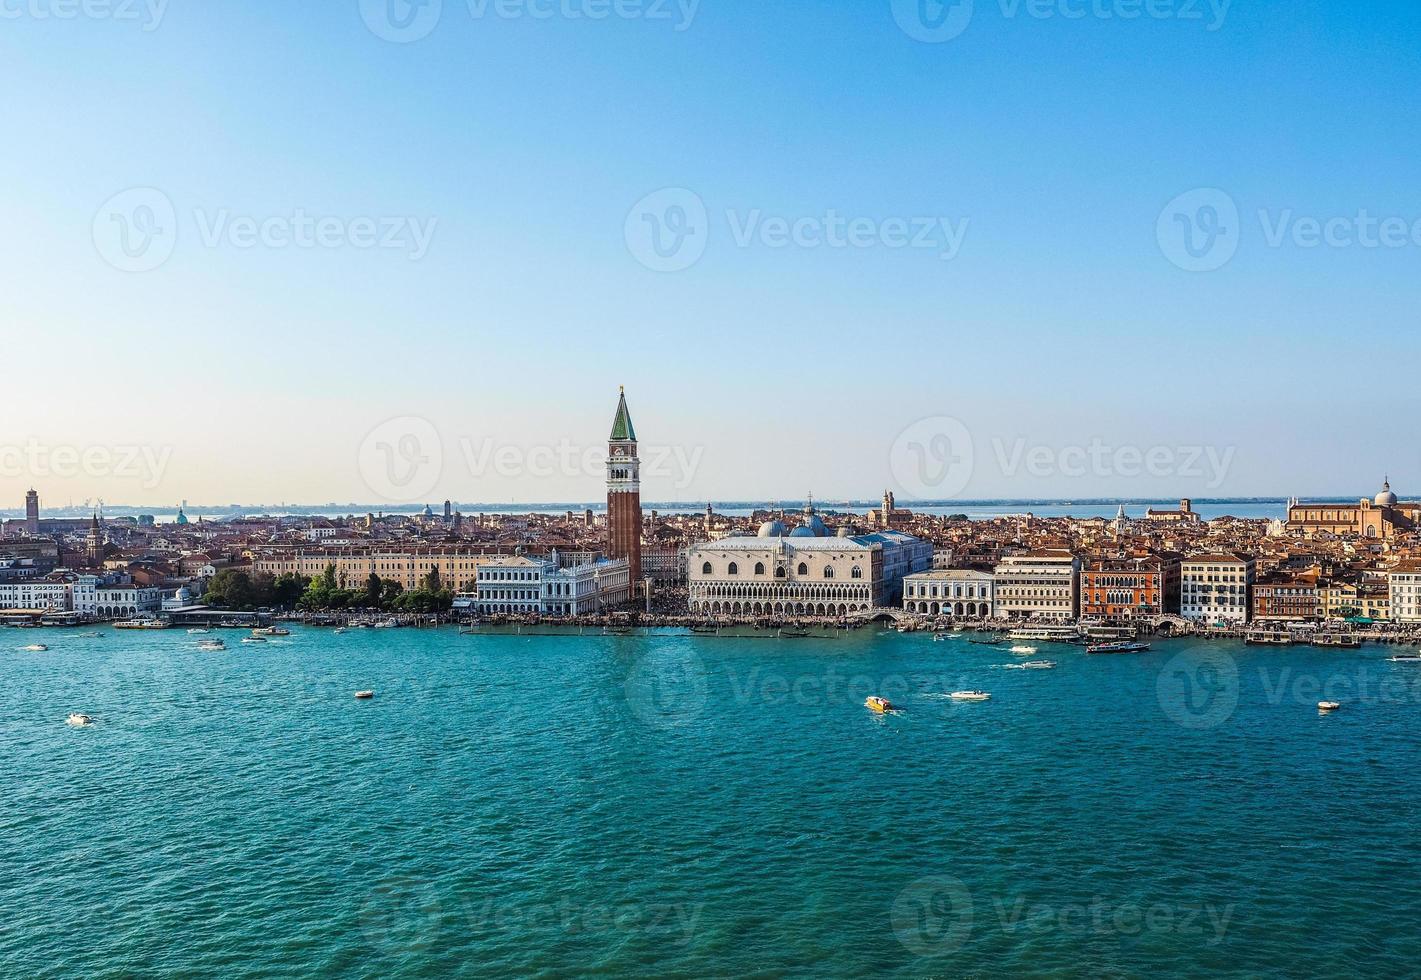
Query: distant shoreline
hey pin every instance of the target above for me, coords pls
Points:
(1014, 504)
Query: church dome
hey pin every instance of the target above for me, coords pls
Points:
(818, 527)
(803, 531)
(183, 595)
(1386, 498)
(771, 529)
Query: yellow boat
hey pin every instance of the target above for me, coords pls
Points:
(881, 705)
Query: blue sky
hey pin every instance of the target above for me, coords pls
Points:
(1053, 143)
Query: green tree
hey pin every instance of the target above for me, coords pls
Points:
(373, 591)
(390, 592)
(287, 588)
(231, 588)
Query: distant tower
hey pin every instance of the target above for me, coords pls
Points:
(94, 543)
(886, 514)
(448, 511)
(624, 491)
(32, 513)
(1120, 521)
(708, 520)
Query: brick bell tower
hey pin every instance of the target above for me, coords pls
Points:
(624, 492)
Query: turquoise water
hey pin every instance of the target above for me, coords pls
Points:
(697, 806)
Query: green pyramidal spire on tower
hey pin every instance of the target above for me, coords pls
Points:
(622, 424)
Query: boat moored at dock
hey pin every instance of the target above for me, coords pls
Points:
(1127, 646)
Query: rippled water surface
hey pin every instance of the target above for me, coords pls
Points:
(699, 806)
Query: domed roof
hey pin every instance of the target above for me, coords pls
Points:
(818, 527)
(182, 595)
(771, 529)
(1386, 498)
(844, 532)
(803, 531)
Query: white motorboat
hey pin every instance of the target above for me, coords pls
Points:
(1033, 665)
(145, 623)
(79, 720)
(217, 644)
(1023, 650)
(35, 648)
(1406, 658)
(1052, 634)
(969, 696)
(1328, 705)
(199, 629)
(253, 639)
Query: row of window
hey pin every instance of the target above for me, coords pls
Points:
(802, 569)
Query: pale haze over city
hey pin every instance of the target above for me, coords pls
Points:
(871, 235)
